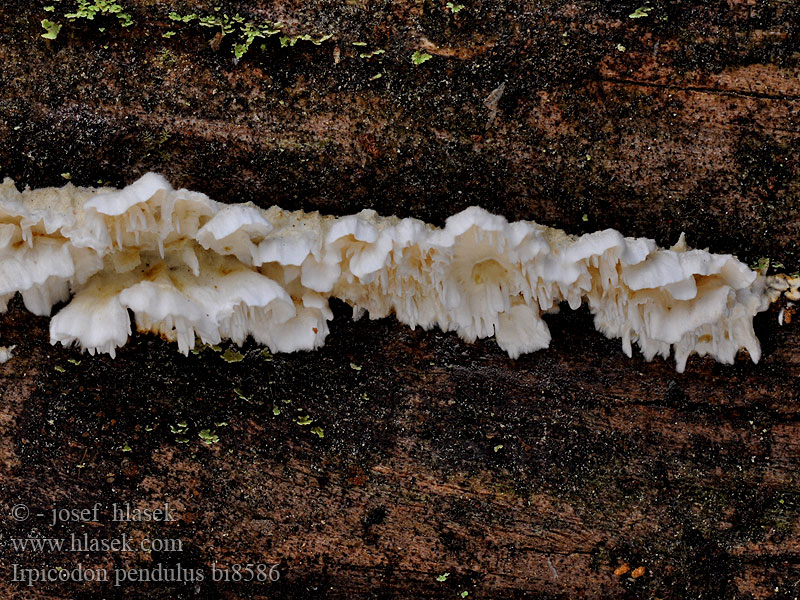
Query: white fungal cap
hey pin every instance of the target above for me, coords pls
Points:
(4, 302)
(676, 272)
(237, 230)
(187, 212)
(348, 238)
(391, 274)
(118, 202)
(521, 329)
(6, 353)
(95, 319)
(10, 198)
(295, 236)
(308, 329)
(149, 213)
(479, 275)
(691, 305)
(40, 272)
(190, 267)
(227, 300)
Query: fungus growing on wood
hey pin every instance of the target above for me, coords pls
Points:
(6, 353)
(192, 269)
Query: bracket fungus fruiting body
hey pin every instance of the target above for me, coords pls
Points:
(189, 268)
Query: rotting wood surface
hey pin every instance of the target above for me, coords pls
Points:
(542, 477)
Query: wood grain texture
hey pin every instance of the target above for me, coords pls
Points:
(535, 478)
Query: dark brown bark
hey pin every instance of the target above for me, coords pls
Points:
(535, 478)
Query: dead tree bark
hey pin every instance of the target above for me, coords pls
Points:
(445, 468)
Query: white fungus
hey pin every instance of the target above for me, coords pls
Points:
(195, 270)
(6, 353)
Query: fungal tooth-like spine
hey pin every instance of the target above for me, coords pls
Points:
(194, 270)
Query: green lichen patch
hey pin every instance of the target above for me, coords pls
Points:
(420, 57)
(230, 356)
(51, 29)
(242, 32)
(87, 10)
(640, 13)
(208, 437)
